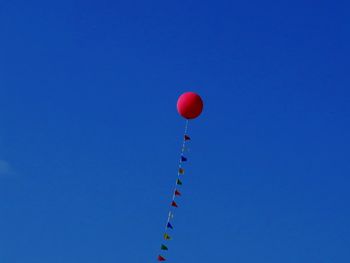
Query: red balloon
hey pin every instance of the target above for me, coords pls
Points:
(189, 105)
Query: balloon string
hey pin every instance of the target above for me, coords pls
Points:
(183, 148)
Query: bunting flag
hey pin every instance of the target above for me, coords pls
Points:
(161, 258)
(189, 106)
(163, 247)
(177, 193)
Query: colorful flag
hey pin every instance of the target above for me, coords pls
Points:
(178, 182)
(183, 159)
(169, 226)
(187, 138)
(166, 236)
(174, 204)
(163, 247)
(160, 258)
(181, 171)
(177, 193)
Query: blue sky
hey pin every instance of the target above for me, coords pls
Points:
(90, 136)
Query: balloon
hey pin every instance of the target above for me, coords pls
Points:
(189, 105)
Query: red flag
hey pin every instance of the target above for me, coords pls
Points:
(177, 193)
(160, 258)
(174, 204)
(187, 138)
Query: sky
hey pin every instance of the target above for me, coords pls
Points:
(90, 136)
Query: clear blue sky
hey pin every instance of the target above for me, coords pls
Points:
(89, 133)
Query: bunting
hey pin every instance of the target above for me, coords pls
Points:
(178, 182)
(181, 171)
(163, 247)
(176, 194)
(161, 258)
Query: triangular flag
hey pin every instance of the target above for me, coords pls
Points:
(178, 182)
(181, 171)
(169, 226)
(160, 258)
(166, 236)
(183, 159)
(187, 138)
(163, 247)
(177, 193)
(174, 204)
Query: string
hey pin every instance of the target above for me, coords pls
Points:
(179, 166)
(183, 147)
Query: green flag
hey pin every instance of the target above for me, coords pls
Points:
(164, 247)
(166, 236)
(178, 182)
